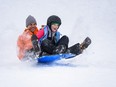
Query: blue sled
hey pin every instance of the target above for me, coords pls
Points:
(52, 58)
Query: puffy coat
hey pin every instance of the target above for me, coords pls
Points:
(24, 42)
(43, 34)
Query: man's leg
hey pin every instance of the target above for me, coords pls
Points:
(34, 40)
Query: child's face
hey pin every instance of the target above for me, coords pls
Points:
(54, 27)
(32, 27)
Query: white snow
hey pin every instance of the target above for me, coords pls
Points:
(96, 67)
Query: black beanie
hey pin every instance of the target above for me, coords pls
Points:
(53, 19)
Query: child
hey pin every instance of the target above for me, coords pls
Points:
(51, 43)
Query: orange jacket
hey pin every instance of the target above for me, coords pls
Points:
(24, 42)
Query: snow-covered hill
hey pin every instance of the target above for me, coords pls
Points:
(96, 67)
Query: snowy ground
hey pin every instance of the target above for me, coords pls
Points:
(96, 67)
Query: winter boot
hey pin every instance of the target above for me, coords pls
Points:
(85, 43)
(60, 49)
(34, 40)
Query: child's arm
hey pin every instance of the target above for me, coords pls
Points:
(40, 34)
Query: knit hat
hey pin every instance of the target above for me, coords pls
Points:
(30, 19)
(53, 19)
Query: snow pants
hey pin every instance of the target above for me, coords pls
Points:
(48, 46)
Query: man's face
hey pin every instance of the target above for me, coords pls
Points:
(54, 27)
(32, 27)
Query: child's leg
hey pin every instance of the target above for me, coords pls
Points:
(47, 46)
(62, 45)
(75, 49)
(78, 48)
(63, 41)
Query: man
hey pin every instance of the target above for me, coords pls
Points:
(27, 43)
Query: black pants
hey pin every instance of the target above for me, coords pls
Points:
(48, 46)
